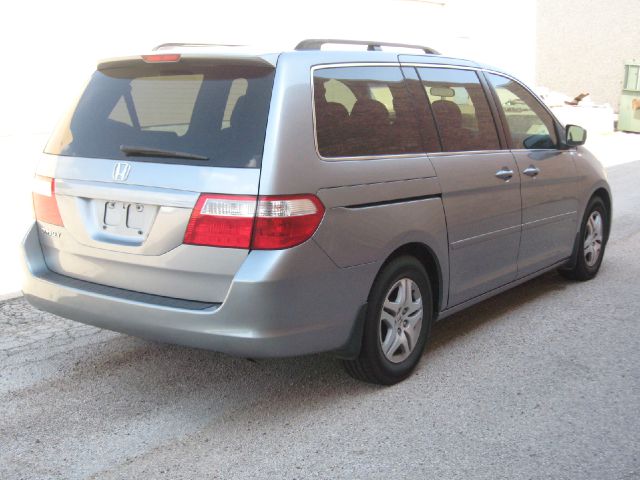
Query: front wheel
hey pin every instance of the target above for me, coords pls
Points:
(397, 323)
(593, 235)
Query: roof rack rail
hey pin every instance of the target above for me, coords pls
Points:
(316, 44)
(172, 45)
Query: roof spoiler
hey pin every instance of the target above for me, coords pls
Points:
(164, 46)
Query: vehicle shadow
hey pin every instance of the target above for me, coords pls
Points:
(156, 366)
(472, 318)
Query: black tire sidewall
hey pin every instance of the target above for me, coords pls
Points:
(398, 268)
(582, 267)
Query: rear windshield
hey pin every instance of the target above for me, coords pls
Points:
(205, 114)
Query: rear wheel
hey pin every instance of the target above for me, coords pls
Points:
(397, 323)
(593, 234)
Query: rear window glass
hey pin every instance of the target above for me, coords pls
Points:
(364, 111)
(204, 114)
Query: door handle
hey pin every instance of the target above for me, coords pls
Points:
(504, 173)
(531, 171)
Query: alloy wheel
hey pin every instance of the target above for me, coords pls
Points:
(593, 238)
(400, 320)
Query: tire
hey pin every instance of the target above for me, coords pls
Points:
(394, 329)
(590, 247)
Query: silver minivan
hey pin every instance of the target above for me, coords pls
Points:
(280, 204)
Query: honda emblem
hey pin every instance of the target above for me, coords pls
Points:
(121, 171)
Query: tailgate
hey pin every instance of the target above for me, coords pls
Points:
(130, 161)
(131, 235)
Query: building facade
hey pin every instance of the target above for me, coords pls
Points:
(582, 45)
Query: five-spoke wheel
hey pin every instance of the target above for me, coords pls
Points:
(401, 320)
(397, 323)
(593, 239)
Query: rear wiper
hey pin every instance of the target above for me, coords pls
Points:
(158, 152)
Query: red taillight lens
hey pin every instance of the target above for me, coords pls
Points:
(221, 221)
(161, 58)
(286, 221)
(45, 205)
(263, 223)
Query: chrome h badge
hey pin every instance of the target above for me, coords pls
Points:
(121, 171)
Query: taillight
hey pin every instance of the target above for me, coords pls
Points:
(221, 221)
(261, 223)
(285, 221)
(45, 205)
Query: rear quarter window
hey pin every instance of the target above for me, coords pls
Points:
(364, 111)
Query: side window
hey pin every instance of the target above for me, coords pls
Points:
(383, 95)
(364, 111)
(338, 92)
(530, 125)
(460, 109)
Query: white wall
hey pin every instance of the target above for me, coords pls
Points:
(501, 33)
(50, 47)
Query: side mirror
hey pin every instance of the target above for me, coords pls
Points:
(575, 135)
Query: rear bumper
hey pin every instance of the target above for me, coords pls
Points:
(281, 303)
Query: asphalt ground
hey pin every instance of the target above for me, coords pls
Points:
(541, 382)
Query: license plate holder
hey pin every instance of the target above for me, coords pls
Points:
(125, 218)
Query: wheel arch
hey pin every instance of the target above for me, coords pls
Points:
(427, 257)
(604, 194)
(429, 260)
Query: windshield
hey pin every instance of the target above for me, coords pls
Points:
(206, 114)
